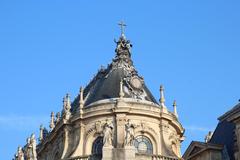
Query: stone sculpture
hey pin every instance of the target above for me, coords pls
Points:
(107, 134)
(34, 145)
(66, 107)
(20, 154)
(208, 136)
(129, 134)
(30, 150)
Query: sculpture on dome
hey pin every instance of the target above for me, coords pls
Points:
(107, 134)
(123, 49)
(30, 150)
(20, 154)
(66, 107)
(34, 146)
(129, 134)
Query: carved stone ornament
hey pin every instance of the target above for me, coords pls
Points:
(66, 107)
(30, 150)
(123, 49)
(136, 82)
(175, 143)
(98, 127)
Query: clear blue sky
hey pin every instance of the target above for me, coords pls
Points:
(48, 48)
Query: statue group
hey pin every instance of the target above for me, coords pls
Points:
(29, 151)
(20, 154)
(108, 134)
(123, 49)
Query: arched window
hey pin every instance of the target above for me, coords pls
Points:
(143, 145)
(97, 146)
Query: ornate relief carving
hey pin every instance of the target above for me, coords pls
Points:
(164, 126)
(98, 127)
(143, 127)
(95, 128)
(90, 131)
(175, 143)
(121, 121)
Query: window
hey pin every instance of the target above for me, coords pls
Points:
(143, 145)
(97, 146)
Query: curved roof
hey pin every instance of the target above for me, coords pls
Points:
(106, 84)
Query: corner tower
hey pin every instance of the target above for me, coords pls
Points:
(115, 117)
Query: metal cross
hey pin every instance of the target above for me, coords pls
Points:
(122, 25)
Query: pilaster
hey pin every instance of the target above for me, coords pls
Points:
(107, 153)
(79, 149)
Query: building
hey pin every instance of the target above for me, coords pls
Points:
(115, 117)
(223, 144)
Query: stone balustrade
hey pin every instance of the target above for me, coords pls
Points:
(80, 158)
(160, 157)
(155, 157)
(147, 157)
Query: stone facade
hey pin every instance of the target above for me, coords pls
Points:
(114, 118)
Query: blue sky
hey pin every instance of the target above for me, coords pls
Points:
(49, 48)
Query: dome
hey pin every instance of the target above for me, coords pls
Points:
(115, 117)
(106, 83)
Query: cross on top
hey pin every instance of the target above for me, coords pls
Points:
(122, 25)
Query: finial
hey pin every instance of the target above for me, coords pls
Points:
(41, 133)
(58, 117)
(32, 136)
(19, 154)
(102, 68)
(122, 25)
(162, 99)
(175, 108)
(19, 148)
(64, 102)
(68, 102)
(123, 49)
(66, 113)
(81, 100)
(208, 136)
(28, 140)
(121, 93)
(52, 125)
(33, 145)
